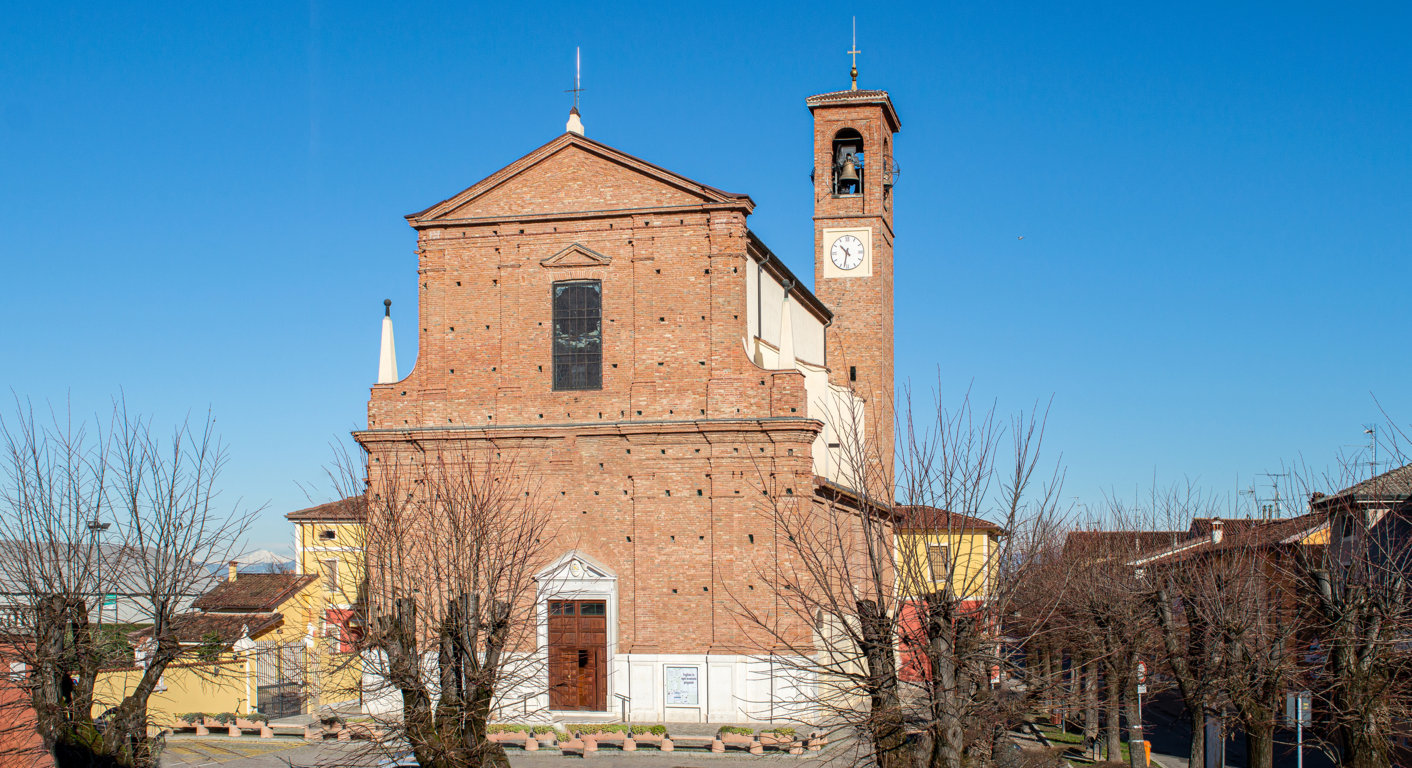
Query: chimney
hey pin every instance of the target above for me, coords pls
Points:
(234, 570)
(1217, 531)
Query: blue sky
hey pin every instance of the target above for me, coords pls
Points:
(202, 203)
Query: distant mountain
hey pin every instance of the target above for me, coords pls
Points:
(259, 561)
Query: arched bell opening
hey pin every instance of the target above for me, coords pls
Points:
(848, 162)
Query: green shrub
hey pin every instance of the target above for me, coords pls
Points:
(256, 717)
(736, 730)
(224, 718)
(785, 732)
(534, 730)
(210, 648)
(191, 718)
(655, 730)
(596, 727)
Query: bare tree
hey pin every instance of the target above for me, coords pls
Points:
(1357, 597)
(986, 519)
(865, 594)
(1225, 603)
(1107, 623)
(454, 535)
(63, 481)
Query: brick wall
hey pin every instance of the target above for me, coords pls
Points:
(661, 474)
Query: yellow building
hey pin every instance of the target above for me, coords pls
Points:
(258, 629)
(328, 543)
(937, 550)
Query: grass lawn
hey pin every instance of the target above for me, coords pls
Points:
(1059, 737)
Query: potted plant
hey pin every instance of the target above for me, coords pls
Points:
(734, 734)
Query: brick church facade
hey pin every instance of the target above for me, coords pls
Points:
(622, 330)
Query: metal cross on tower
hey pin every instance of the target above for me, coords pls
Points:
(854, 53)
(578, 71)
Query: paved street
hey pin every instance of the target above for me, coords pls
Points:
(1166, 727)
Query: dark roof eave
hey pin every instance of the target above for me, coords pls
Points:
(857, 97)
(776, 265)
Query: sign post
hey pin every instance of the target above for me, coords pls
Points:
(1298, 714)
(1141, 687)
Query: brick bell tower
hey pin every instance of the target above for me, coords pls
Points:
(853, 187)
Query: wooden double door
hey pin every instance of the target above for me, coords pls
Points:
(578, 655)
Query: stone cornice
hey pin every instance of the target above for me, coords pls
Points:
(705, 427)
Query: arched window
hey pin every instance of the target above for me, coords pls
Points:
(848, 162)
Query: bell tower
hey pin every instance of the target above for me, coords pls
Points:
(854, 174)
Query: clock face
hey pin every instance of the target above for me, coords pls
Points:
(847, 252)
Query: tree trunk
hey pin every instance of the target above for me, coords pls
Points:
(1197, 717)
(885, 727)
(1090, 699)
(1112, 729)
(1137, 757)
(948, 743)
(1259, 745)
(1366, 749)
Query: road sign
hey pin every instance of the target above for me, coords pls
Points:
(1141, 689)
(1297, 709)
(110, 600)
(1298, 715)
(1142, 672)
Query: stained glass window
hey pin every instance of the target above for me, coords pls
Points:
(578, 334)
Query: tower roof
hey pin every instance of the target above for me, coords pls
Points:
(850, 98)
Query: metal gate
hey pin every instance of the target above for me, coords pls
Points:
(280, 671)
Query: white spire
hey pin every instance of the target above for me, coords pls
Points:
(387, 355)
(575, 125)
(786, 334)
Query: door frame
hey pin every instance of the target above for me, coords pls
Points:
(576, 576)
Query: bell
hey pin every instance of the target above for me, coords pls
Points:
(849, 171)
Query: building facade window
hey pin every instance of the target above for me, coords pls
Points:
(939, 558)
(331, 575)
(578, 334)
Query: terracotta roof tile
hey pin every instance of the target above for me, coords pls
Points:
(935, 518)
(253, 592)
(351, 509)
(1247, 534)
(1120, 543)
(1393, 485)
(197, 627)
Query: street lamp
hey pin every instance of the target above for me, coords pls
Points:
(98, 527)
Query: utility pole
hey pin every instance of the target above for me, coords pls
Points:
(97, 527)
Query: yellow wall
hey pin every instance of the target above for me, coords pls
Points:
(340, 679)
(346, 547)
(211, 688)
(224, 687)
(970, 551)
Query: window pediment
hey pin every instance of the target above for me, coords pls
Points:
(576, 256)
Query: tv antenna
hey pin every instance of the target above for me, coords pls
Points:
(1271, 509)
(1371, 430)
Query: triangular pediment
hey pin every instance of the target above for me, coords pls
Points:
(576, 256)
(575, 565)
(573, 174)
